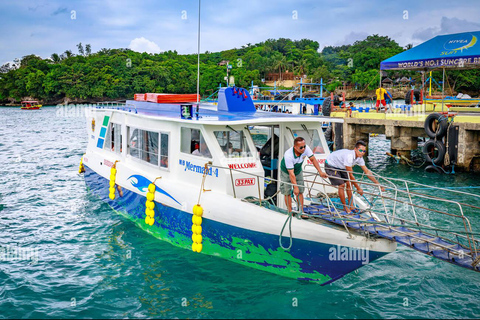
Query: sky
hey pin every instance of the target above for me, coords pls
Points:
(43, 27)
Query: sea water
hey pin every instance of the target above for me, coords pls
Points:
(67, 254)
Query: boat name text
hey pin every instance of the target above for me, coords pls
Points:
(198, 169)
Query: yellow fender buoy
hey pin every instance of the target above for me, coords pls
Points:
(150, 205)
(81, 168)
(197, 228)
(112, 184)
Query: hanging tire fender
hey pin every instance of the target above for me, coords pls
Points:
(432, 168)
(442, 125)
(327, 107)
(429, 151)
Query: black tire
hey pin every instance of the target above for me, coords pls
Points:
(433, 169)
(336, 100)
(416, 94)
(327, 107)
(328, 133)
(442, 125)
(434, 150)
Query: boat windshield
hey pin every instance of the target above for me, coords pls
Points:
(312, 139)
(233, 143)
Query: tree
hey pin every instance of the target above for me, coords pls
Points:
(5, 68)
(88, 49)
(80, 49)
(55, 58)
(280, 63)
(68, 54)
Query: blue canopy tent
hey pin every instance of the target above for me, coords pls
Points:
(453, 51)
(460, 50)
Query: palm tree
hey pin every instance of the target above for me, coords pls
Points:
(280, 63)
(55, 58)
(302, 66)
(68, 54)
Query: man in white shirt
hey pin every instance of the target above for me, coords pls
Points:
(291, 171)
(339, 167)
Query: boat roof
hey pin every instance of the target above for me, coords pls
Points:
(208, 114)
(235, 106)
(29, 101)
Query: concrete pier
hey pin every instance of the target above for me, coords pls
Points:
(403, 130)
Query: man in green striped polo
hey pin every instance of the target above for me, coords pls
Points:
(291, 172)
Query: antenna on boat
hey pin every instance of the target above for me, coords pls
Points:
(198, 62)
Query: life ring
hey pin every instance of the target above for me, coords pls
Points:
(432, 168)
(436, 125)
(434, 151)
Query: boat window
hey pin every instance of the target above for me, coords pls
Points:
(164, 150)
(194, 143)
(312, 139)
(233, 143)
(144, 145)
(113, 141)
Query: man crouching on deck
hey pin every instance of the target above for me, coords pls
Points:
(291, 171)
(339, 167)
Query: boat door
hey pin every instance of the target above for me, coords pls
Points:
(271, 142)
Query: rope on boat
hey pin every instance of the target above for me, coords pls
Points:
(289, 220)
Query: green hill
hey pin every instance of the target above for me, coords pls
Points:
(111, 74)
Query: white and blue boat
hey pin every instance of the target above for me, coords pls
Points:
(209, 157)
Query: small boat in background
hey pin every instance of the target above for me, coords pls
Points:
(31, 105)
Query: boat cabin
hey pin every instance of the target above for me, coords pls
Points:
(236, 147)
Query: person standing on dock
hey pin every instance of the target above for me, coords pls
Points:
(291, 172)
(381, 92)
(339, 167)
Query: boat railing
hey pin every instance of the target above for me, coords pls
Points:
(392, 205)
(261, 199)
(404, 196)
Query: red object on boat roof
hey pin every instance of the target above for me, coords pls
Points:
(139, 97)
(168, 97)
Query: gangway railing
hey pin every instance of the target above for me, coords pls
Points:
(402, 216)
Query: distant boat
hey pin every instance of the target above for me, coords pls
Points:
(31, 105)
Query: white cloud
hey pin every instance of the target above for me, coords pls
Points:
(144, 45)
(352, 37)
(447, 26)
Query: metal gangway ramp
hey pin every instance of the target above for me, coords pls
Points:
(431, 223)
(400, 214)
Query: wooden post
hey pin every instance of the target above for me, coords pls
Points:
(443, 88)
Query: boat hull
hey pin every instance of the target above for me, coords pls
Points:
(306, 260)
